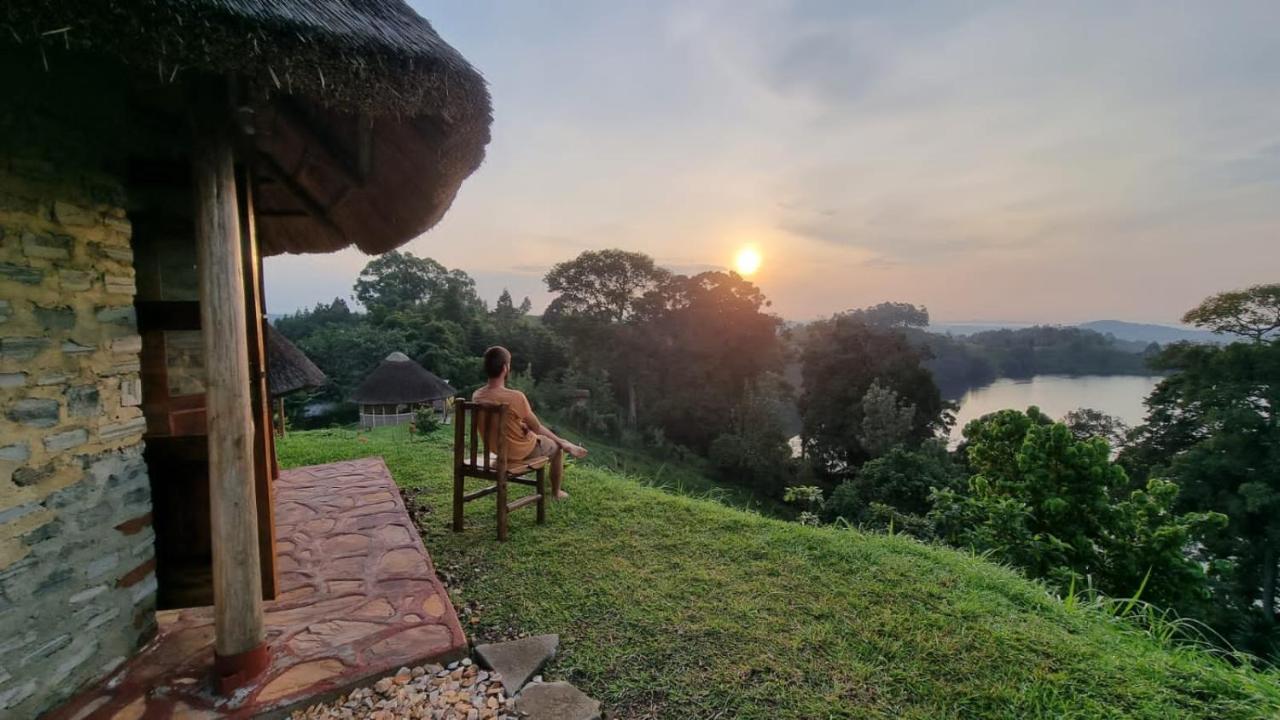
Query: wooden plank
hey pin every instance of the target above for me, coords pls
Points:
(502, 470)
(522, 502)
(459, 450)
(475, 495)
(237, 572)
(475, 420)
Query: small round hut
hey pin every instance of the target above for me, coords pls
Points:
(398, 387)
(288, 370)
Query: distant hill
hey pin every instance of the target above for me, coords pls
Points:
(1149, 333)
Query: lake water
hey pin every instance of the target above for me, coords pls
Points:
(1056, 395)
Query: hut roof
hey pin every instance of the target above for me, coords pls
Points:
(401, 380)
(363, 121)
(288, 368)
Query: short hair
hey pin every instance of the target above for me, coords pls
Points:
(496, 358)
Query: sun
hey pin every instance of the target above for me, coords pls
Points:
(747, 261)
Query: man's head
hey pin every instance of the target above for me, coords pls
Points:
(497, 362)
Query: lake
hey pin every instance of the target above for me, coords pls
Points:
(1056, 395)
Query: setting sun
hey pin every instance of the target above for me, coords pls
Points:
(748, 261)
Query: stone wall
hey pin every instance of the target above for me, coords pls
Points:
(77, 581)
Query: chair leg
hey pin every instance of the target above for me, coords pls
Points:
(542, 495)
(459, 488)
(557, 471)
(502, 506)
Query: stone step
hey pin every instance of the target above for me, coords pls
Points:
(518, 660)
(556, 701)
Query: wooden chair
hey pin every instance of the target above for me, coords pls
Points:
(472, 459)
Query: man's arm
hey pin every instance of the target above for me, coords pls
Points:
(531, 421)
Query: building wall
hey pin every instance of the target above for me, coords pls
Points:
(77, 581)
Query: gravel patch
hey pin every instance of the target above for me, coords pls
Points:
(460, 691)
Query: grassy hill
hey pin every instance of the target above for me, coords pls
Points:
(674, 607)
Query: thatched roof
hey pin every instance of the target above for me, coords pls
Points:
(364, 121)
(288, 368)
(400, 380)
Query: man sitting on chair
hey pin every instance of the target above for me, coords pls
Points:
(526, 437)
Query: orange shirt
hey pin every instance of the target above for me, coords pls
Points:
(520, 439)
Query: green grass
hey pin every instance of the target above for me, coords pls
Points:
(677, 607)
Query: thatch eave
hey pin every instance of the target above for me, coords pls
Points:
(363, 123)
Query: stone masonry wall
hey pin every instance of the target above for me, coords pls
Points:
(77, 581)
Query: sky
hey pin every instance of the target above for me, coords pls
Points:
(1032, 162)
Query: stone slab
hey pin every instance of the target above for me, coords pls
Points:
(556, 701)
(333, 625)
(518, 660)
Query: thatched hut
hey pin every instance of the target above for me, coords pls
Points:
(151, 153)
(396, 389)
(288, 371)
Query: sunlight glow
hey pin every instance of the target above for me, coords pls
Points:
(748, 261)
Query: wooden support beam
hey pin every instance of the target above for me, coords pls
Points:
(260, 399)
(237, 581)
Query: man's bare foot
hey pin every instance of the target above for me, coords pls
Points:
(577, 451)
(562, 495)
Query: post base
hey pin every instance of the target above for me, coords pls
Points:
(232, 672)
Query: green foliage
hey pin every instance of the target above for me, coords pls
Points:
(1057, 507)
(425, 420)
(895, 489)
(886, 422)
(808, 498)
(1214, 430)
(754, 451)
(671, 607)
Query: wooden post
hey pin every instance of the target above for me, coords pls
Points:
(259, 396)
(501, 425)
(459, 484)
(239, 646)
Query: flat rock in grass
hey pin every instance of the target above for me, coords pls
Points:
(518, 660)
(556, 701)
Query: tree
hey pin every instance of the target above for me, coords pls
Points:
(841, 358)
(893, 315)
(1085, 423)
(1057, 507)
(1213, 427)
(754, 452)
(398, 280)
(1252, 313)
(886, 422)
(598, 293)
(604, 285)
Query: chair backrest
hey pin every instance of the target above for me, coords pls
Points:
(478, 432)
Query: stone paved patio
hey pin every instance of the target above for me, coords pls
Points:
(359, 599)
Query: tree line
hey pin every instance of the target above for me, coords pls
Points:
(1184, 508)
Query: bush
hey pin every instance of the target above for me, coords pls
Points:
(425, 421)
(896, 488)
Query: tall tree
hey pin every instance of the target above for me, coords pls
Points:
(841, 359)
(398, 280)
(597, 295)
(1252, 313)
(1214, 428)
(605, 285)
